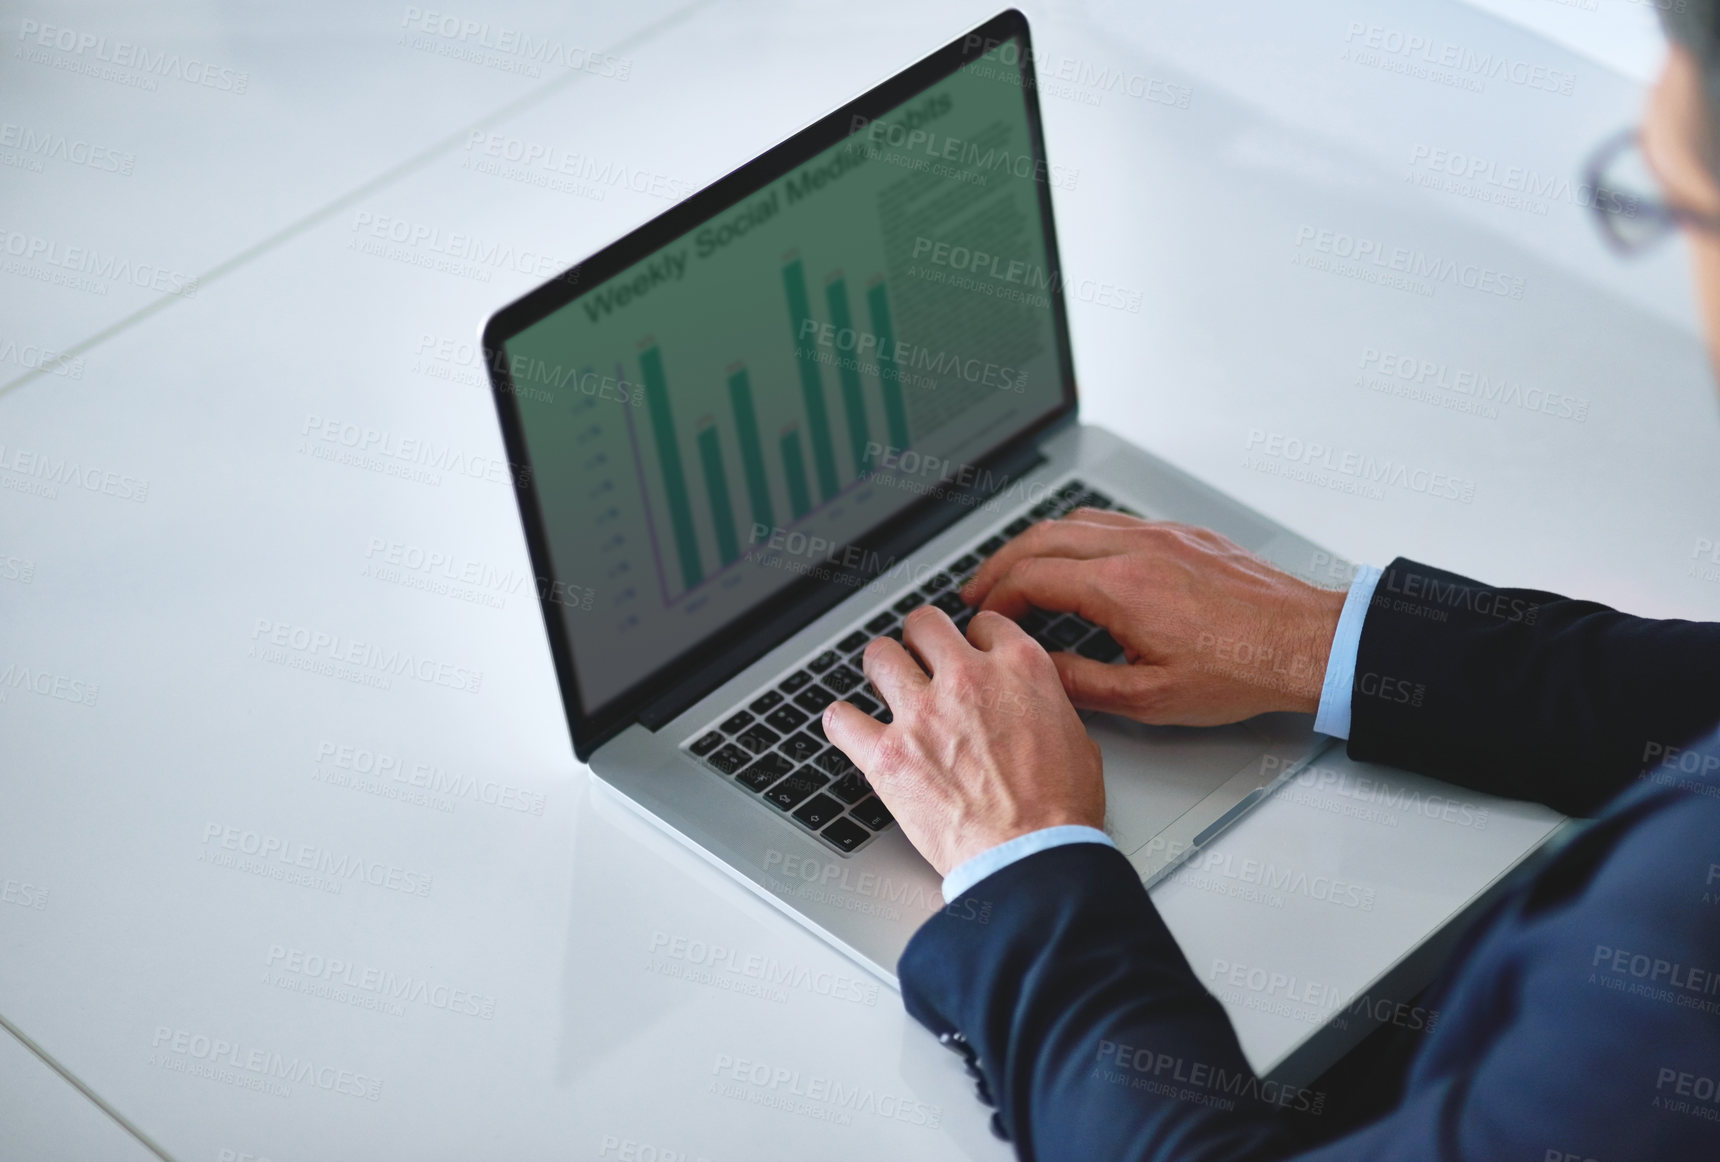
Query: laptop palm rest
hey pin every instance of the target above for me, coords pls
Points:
(1171, 789)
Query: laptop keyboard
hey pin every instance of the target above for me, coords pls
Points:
(773, 746)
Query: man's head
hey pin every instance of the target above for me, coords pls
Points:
(1681, 140)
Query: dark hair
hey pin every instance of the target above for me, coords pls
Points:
(1695, 24)
(1689, 22)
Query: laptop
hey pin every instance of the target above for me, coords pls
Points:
(756, 432)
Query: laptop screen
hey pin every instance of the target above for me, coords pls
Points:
(711, 423)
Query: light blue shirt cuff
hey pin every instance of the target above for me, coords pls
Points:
(970, 872)
(1334, 715)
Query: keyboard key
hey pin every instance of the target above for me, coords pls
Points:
(764, 702)
(940, 582)
(1091, 499)
(1073, 489)
(815, 727)
(874, 814)
(852, 642)
(989, 546)
(800, 747)
(845, 834)
(785, 718)
(707, 744)
(894, 631)
(1034, 621)
(1017, 526)
(1127, 511)
(882, 714)
(842, 679)
(1066, 631)
(881, 623)
(1101, 647)
(951, 603)
(835, 764)
(1042, 510)
(766, 771)
(909, 602)
(823, 662)
(850, 787)
(758, 738)
(864, 703)
(818, 810)
(737, 723)
(814, 699)
(788, 794)
(961, 619)
(965, 563)
(730, 759)
(794, 681)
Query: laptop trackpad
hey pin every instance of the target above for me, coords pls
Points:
(1154, 775)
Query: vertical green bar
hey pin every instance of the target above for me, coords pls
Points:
(669, 454)
(836, 296)
(752, 454)
(717, 486)
(811, 383)
(889, 375)
(794, 468)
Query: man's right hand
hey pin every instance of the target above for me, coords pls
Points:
(1211, 633)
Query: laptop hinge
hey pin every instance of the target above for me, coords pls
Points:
(916, 531)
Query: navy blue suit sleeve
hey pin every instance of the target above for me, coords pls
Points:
(1523, 693)
(1098, 1044)
(1095, 1038)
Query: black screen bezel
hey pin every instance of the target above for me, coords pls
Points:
(590, 729)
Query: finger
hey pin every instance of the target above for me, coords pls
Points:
(1054, 583)
(1048, 538)
(988, 630)
(1126, 690)
(893, 672)
(854, 732)
(933, 638)
(1104, 516)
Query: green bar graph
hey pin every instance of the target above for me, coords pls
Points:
(836, 297)
(717, 488)
(752, 454)
(794, 468)
(889, 375)
(669, 454)
(811, 382)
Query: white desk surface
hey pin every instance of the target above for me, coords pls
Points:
(128, 946)
(46, 1119)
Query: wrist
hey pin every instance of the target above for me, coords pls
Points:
(1314, 633)
(989, 838)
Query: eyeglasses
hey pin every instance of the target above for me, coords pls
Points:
(1622, 191)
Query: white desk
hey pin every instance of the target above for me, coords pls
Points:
(47, 1119)
(573, 931)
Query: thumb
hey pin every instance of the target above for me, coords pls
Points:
(1111, 689)
(854, 732)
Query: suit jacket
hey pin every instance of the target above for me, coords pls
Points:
(1580, 1016)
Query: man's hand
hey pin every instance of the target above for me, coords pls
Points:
(983, 745)
(1212, 633)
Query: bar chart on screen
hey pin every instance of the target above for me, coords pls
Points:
(724, 414)
(729, 455)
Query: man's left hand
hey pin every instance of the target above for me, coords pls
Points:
(983, 745)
